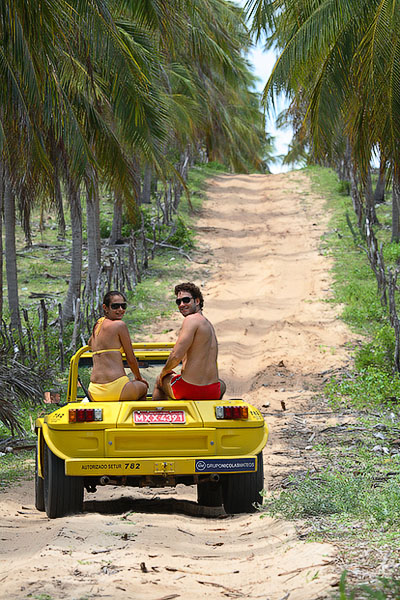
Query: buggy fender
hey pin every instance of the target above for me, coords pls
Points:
(46, 438)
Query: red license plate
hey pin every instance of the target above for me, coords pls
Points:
(158, 417)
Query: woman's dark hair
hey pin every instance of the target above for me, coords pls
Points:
(109, 295)
(191, 288)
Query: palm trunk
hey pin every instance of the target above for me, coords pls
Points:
(75, 279)
(396, 206)
(59, 205)
(10, 253)
(146, 189)
(379, 195)
(117, 219)
(93, 229)
(55, 159)
(369, 200)
(1, 236)
(355, 196)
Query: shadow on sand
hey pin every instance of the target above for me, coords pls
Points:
(152, 505)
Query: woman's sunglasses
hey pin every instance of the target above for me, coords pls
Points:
(185, 300)
(115, 305)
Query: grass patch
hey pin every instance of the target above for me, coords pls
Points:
(16, 467)
(372, 383)
(384, 589)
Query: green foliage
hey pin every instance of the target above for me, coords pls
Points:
(369, 389)
(383, 589)
(343, 490)
(214, 165)
(105, 228)
(331, 492)
(344, 187)
(379, 352)
(391, 253)
(14, 467)
(372, 384)
(183, 236)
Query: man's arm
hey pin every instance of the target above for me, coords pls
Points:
(182, 345)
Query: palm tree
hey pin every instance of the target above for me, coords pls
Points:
(344, 58)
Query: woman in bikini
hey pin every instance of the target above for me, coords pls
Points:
(110, 338)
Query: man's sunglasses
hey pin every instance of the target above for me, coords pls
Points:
(185, 300)
(115, 305)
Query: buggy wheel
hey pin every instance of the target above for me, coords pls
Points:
(242, 490)
(39, 485)
(209, 493)
(63, 494)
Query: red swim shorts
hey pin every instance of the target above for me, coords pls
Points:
(183, 390)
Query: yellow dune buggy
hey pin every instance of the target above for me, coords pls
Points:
(214, 444)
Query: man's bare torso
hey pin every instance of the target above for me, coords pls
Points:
(199, 366)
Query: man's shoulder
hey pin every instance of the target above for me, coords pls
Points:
(192, 319)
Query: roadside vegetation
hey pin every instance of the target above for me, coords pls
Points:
(353, 499)
(151, 300)
(105, 106)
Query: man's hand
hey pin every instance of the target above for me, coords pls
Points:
(159, 380)
(142, 380)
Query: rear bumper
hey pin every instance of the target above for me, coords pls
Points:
(156, 466)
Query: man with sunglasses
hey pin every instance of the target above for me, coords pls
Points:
(197, 349)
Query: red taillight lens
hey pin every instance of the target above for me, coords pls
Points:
(236, 412)
(232, 412)
(85, 415)
(228, 412)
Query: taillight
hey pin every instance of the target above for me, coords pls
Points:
(232, 412)
(85, 415)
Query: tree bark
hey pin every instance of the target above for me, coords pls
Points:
(379, 194)
(75, 279)
(396, 206)
(146, 189)
(1, 236)
(369, 200)
(116, 229)
(59, 204)
(93, 229)
(346, 169)
(355, 196)
(55, 154)
(10, 253)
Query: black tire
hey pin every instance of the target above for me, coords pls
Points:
(39, 485)
(209, 493)
(63, 494)
(242, 490)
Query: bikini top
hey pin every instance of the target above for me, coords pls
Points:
(98, 326)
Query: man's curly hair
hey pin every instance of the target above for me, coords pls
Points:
(192, 289)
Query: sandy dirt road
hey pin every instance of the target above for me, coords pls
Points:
(264, 285)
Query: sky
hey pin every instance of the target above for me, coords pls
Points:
(262, 62)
